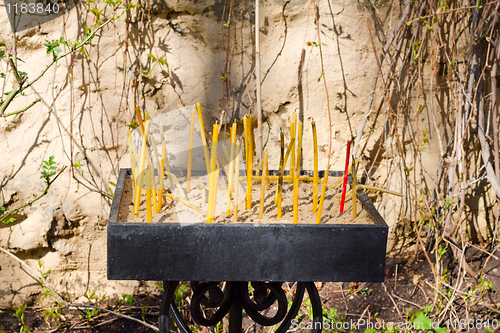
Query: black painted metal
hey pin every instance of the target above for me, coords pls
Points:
(264, 253)
(232, 299)
(246, 252)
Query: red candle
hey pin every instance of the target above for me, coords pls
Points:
(345, 176)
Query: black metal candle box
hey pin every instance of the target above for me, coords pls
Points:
(266, 254)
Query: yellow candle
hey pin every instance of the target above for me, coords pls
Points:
(160, 191)
(367, 187)
(263, 186)
(203, 138)
(288, 151)
(323, 191)
(177, 184)
(190, 152)
(212, 195)
(185, 202)
(211, 182)
(139, 118)
(285, 178)
(142, 162)
(252, 139)
(133, 162)
(148, 197)
(236, 181)
(231, 167)
(213, 177)
(280, 181)
(315, 180)
(158, 166)
(296, 196)
(248, 151)
(216, 187)
(292, 142)
(215, 140)
(299, 147)
(152, 187)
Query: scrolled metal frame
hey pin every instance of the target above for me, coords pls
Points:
(233, 298)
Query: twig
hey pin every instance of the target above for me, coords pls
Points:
(393, 302)
(20, 111)
(404, 300)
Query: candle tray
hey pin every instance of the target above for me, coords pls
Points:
(245, 251)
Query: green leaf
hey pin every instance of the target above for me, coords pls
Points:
(2, 209)
(132, 6)
(422, 322)
(114, 3)
(426, 138)
(163, 61)
(2, 44)
(420, 107)
(153, 58)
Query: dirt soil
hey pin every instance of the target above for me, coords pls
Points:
(408, 287)
(172, 210)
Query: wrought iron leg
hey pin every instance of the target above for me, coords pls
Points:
(233, 298)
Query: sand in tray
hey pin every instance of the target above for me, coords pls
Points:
(175, 212)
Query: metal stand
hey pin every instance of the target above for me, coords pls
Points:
(232, 299)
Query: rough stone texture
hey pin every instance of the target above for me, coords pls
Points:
(31, 233)
(71, 212)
